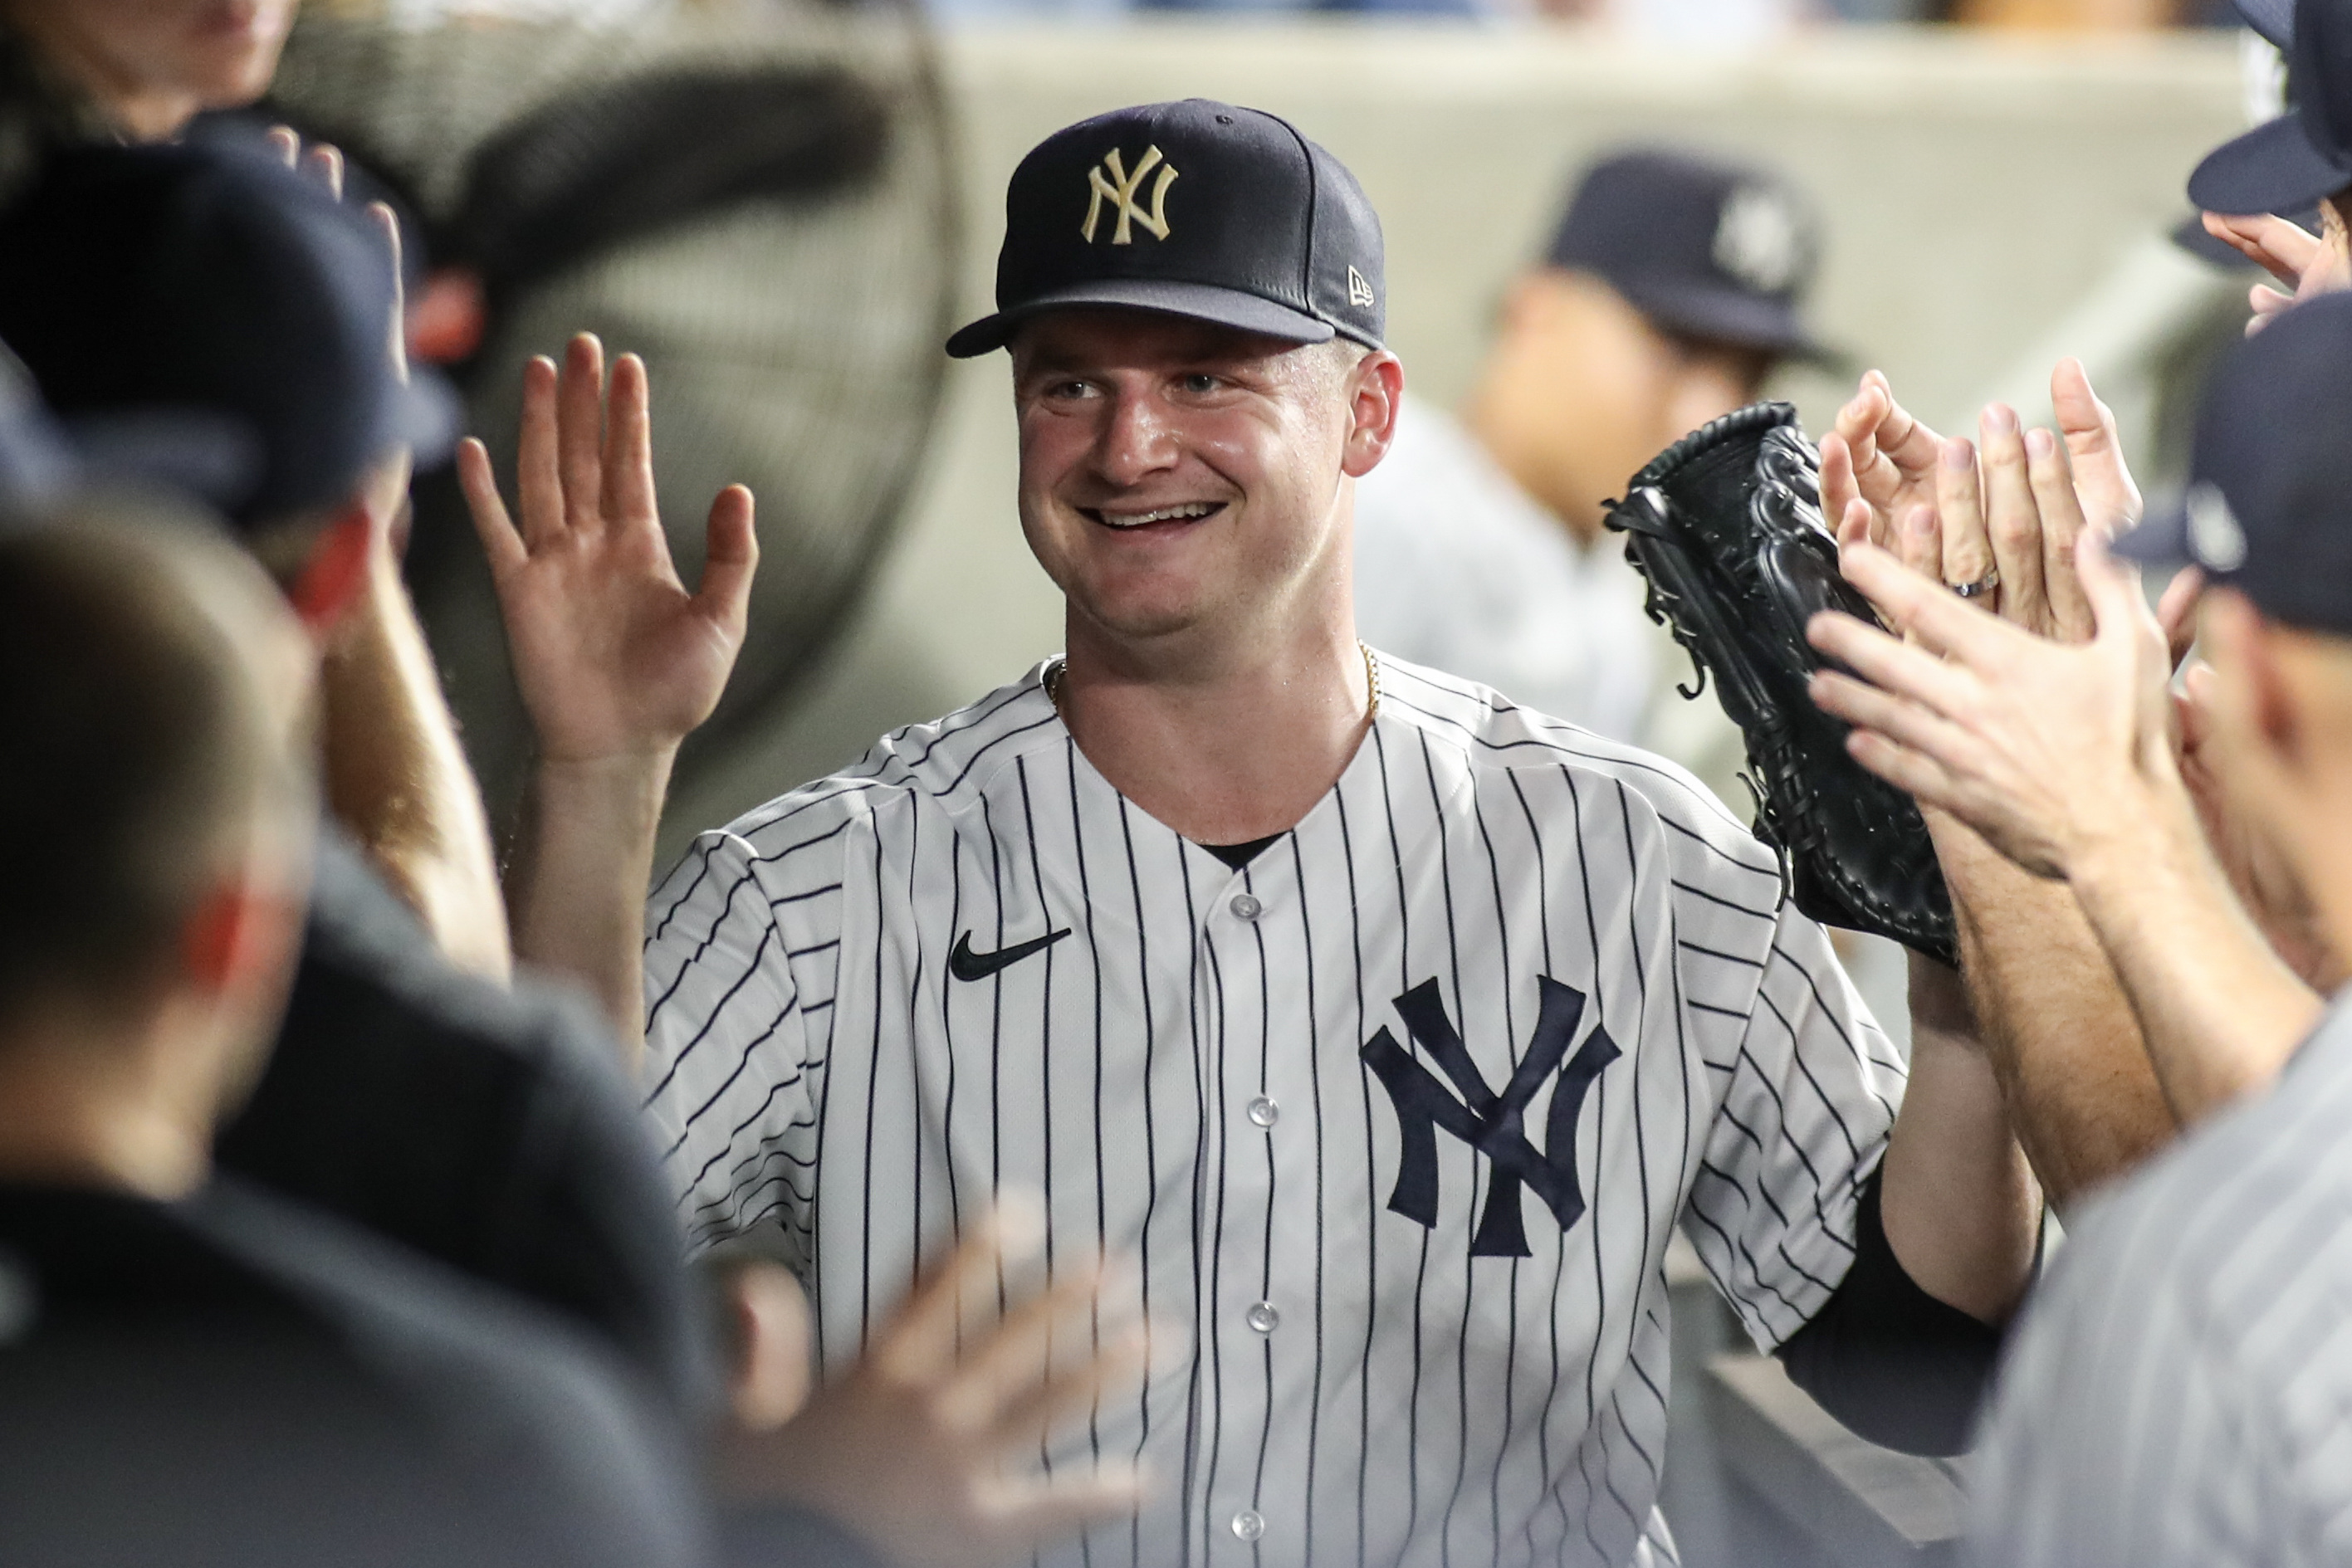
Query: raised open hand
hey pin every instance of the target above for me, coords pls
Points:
(2038, 744)
(926, 1445)
(614, 657)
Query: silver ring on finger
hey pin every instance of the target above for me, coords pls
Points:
(1980, 586)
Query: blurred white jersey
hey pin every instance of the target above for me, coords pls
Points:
(1397, 1120)
(2176, 1396)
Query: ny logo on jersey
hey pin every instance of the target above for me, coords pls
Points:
(1490, 1123)
(1118, 187)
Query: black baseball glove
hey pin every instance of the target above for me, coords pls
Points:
(1725, 524)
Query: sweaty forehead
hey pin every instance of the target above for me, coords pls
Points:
(1110, 339)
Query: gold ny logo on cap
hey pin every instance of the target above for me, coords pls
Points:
(1118, 187)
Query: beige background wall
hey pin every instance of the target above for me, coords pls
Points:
(1977, 189)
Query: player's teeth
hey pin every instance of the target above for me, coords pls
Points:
(1164, 513)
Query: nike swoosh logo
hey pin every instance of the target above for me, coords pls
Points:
(966, 965)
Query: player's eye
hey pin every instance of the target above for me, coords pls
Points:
(1200, 383)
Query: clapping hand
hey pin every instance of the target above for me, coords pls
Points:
(615, 658)
(924, 1445)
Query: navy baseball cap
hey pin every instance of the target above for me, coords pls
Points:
(1703, 249)
(2285, 164)
(2268, 509)
(199, 315)
(1198, 209)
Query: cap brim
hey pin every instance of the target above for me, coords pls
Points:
(1728, 317)
(1194, 301)
(2274, 168)
(2160, 538)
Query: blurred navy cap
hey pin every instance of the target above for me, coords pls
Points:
(1194, 208)
(199, 316)
(2268, 509)
(1703, 249)
(2305, 154)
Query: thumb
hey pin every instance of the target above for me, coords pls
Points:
(2112, 587)
(731, 557)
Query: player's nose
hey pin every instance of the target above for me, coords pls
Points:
(1135, 440)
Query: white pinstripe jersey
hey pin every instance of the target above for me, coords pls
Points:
(1422, 1273)
(2179, 1394)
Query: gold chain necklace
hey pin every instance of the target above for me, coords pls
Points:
(1372, 681)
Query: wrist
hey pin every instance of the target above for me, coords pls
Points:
(640, 775)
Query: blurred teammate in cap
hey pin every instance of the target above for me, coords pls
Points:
(1391, 1028)
(2299, 161)
(1667, 296)
(2176, 1395)
(194, 1370)
(200, 317)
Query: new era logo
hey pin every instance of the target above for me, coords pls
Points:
(1109, 181)
(1360, 291)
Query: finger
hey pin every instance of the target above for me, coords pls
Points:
(1840, 494)
(2112, 587)
(2285, 250)
(919, 1345)
(1032, 1416)
(628, 477)
(2110, 498)
(1906, 723)
(538, 478)
(1960, 514)
(1941, 621)
(732, 557)
(1920, 542)
(325, 163)
(500, 543)
(1916, 774)
(1853, 523)
(2267, 302)
(2062, 525)
(1032, 1511)
(2012, 521)
(1019, 1353)
(1908, 447)
(580, 431)
(1892, 665)
(387, 223)
(2175, 612)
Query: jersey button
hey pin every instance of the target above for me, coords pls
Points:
(1264, 1317)
(1263, 1112)
(1245, 906)
(1249, 1524)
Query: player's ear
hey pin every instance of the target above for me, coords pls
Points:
(1375, 400)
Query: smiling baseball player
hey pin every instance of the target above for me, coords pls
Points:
(1390, 1028)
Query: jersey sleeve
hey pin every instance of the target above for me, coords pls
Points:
(1808, 1092)
(727, 1046)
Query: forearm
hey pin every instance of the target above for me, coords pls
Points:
(1960, 1205)
(397, 778)
(583, 862)
(2219, 1010)
(2062, 1038)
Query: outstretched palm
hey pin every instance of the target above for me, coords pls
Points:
(614, 656)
